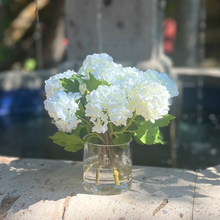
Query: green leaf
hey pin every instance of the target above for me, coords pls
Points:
(122, 138)
(139, 120)
(165, 121)
(116, 128)
(81, 111)
(145, 125)
(75, 77)
(77, 130)
(69, 85)
(133, 126)
(104, 83)
(138, 140)
(94, 140)
(71, 143)
(83, 132)
(149, 136)
(159, 138)
(92, 83)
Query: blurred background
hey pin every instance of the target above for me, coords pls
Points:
(182, 38)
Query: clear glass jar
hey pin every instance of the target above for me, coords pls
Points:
(107, 168)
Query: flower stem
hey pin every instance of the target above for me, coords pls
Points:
(130, 131)
(126, 127)
(83, 119)
(97, 176)
(116, 173)
(100, 137)
(111, 130)
(84, 108)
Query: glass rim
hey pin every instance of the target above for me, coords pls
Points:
(107, 145)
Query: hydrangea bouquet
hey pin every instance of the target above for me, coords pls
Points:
(109, 102)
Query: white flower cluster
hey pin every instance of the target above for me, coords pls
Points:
(60, 105)
(107, 103)
(130, 90)
(62, 108)
(101, 66)
(97, 64)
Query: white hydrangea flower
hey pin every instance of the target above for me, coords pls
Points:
(97, 65)
(163, 79)
(62, 108)
(113, 74)
(150, 100)
(131, 77)
(53, 83)
(107, 102)
(149, 92)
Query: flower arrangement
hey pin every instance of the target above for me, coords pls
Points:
(109, 102)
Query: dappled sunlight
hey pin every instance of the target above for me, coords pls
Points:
(214, 170)
(20, 170)
(37, 184)
(209, 177)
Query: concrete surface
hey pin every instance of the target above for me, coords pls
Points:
(49, 189)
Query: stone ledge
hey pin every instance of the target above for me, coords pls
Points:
(50, 189)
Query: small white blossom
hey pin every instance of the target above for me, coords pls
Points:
(100, 126)
(62, 108)
(82, 88)
(53, 83)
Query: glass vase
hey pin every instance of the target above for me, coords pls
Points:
(107, 168)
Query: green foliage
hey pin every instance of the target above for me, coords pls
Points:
(71, 143)
(104, 83)
(143, 128)
(116, 128)
(139, 120)
(149, 133)
(137, 139)
(81, 111)
(94, 140)
(77, 131)
(70, 85)
(83, 132)
(133, 126)
(144, 133)
(122, 138)
(92, 83)
(165, 121)
(159, 138)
